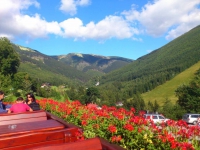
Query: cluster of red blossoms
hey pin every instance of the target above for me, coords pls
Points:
(116, 138)
(112, 129)
(122, 127)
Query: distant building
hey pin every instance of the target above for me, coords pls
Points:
(97, 84)
(119, 104)
(45, 85)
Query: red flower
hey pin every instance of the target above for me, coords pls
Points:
(84, 123)
(116, 138)
(113, 138)
(94, 117)
(140, 130)
(141, 113)
(79, 135)
(128, 127)
(112, 128)
(133, 110)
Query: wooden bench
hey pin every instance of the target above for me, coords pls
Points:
(89, 144)
(15, 118)
(29, 127)
(67, 125)
(19, 131)
(35, 139)
(38, 129)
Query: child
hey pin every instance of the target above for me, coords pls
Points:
(19, 106)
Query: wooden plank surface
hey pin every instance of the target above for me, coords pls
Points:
(22, 115)
(15, 118)
(89, 144)
(109, 146)
(21, 128)
(34, 139)
(24, 120)
(26, 147)
(68, 125)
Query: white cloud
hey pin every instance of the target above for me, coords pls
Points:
(137, 39)
(170, 17)
(16, 24)
(162, 17)
(70, 6)
(35, 26)
(13, 23)
(188, 22)
(110, 27)
(83, 2)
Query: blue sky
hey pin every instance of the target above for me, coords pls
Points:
(125, 28)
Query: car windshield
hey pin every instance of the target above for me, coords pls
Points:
(155, 117)
(185, 116)
(161, 117)
(194, 116)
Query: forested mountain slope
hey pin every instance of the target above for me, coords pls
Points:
(46, 69)
(95, 63)
(157, 67)
(69, 68)
(167, 90)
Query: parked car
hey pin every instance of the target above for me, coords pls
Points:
(190, 118)
(156, 118)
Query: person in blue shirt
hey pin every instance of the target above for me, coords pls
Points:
(3, 108)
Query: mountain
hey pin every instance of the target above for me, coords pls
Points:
(93, 63)
(141, 75)
(63, 69)
(157, 67)
(46, 69)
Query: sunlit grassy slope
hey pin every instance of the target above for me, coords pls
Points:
(167, 90)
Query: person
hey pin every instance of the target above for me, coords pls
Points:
(3, 108)
(19, 106)
(198, 121)
(31, 102)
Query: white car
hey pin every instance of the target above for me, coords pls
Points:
(156, 118)
(191, 118)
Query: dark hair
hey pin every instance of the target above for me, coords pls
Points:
(20, 99)
(1, 92)
(32, 96)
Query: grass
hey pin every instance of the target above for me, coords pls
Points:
(167, 90)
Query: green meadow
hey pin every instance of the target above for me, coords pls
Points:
(167, 90)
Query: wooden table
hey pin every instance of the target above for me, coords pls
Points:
(29, 127)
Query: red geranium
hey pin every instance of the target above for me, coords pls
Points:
(112, 128)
